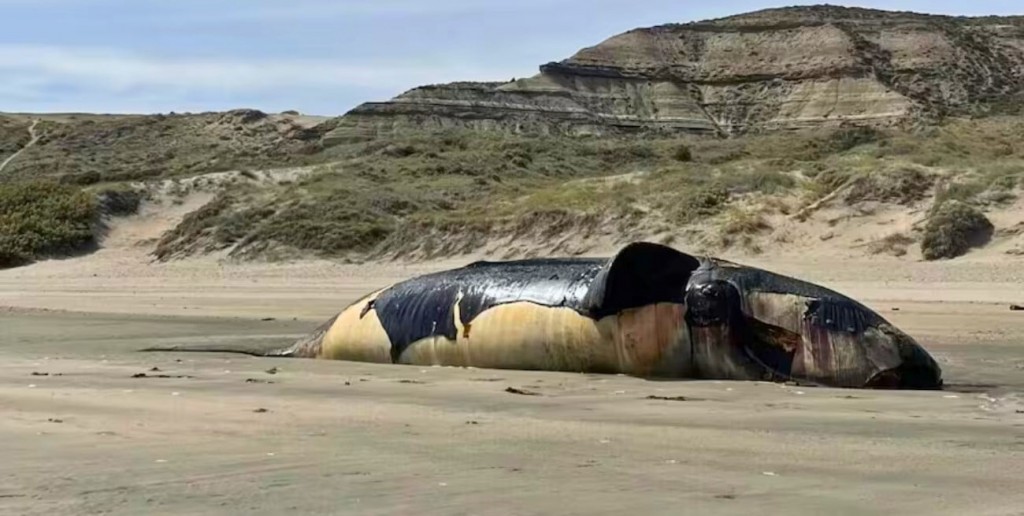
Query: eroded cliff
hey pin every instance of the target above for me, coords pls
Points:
(776, 69)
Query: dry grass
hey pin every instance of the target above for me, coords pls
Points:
(739, 227)
(382, 195)
(895, 244)
(377, 195)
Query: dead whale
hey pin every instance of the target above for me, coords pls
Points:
(649, 311)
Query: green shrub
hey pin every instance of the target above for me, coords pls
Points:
(618, 153)
(84, 179)
(119, 202)
(683, 154)
(327, 227)
(744, 222)
(847, 138)
(953, 228)
(43, 219)
(696, 204)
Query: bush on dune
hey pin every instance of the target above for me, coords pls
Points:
(119, 201)
(43, 219)
(953, 229)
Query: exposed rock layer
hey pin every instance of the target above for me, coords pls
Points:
(776, 69)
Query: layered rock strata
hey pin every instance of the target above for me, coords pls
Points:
(770, 70)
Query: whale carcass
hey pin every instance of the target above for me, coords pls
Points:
(649, 311)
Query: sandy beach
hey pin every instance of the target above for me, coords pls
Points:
(91, 425)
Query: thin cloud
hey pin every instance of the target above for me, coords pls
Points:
(35, 72)
(120, 71)
(264, 9)
(275, 10)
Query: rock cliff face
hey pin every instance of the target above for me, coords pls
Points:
(776, 69)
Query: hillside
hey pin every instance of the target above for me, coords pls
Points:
(827, 130)
(778, 69)
(88, 149)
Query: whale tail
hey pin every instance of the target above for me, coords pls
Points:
(214, 348)
(307, 347)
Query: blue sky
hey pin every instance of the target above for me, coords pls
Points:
(316, 56)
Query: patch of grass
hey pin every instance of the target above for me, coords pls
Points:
(754, 180)
(1002, 105)
(43, 219)
(624, 152)
(894, 244)
(334, 221)
(847, 138)
(697, 204)
(584, 197)
(468, 185)
(691, 194)
(86, 178)
(960, 142)
(421, 180)
(683, 154)
(809, 145)
(961, 191)
(989, 185)
(744, 222)
(903, 185)
(954, 228)
(739, 227)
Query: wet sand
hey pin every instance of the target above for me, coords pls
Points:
(219, 434)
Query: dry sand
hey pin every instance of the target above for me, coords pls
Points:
(80, 435)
